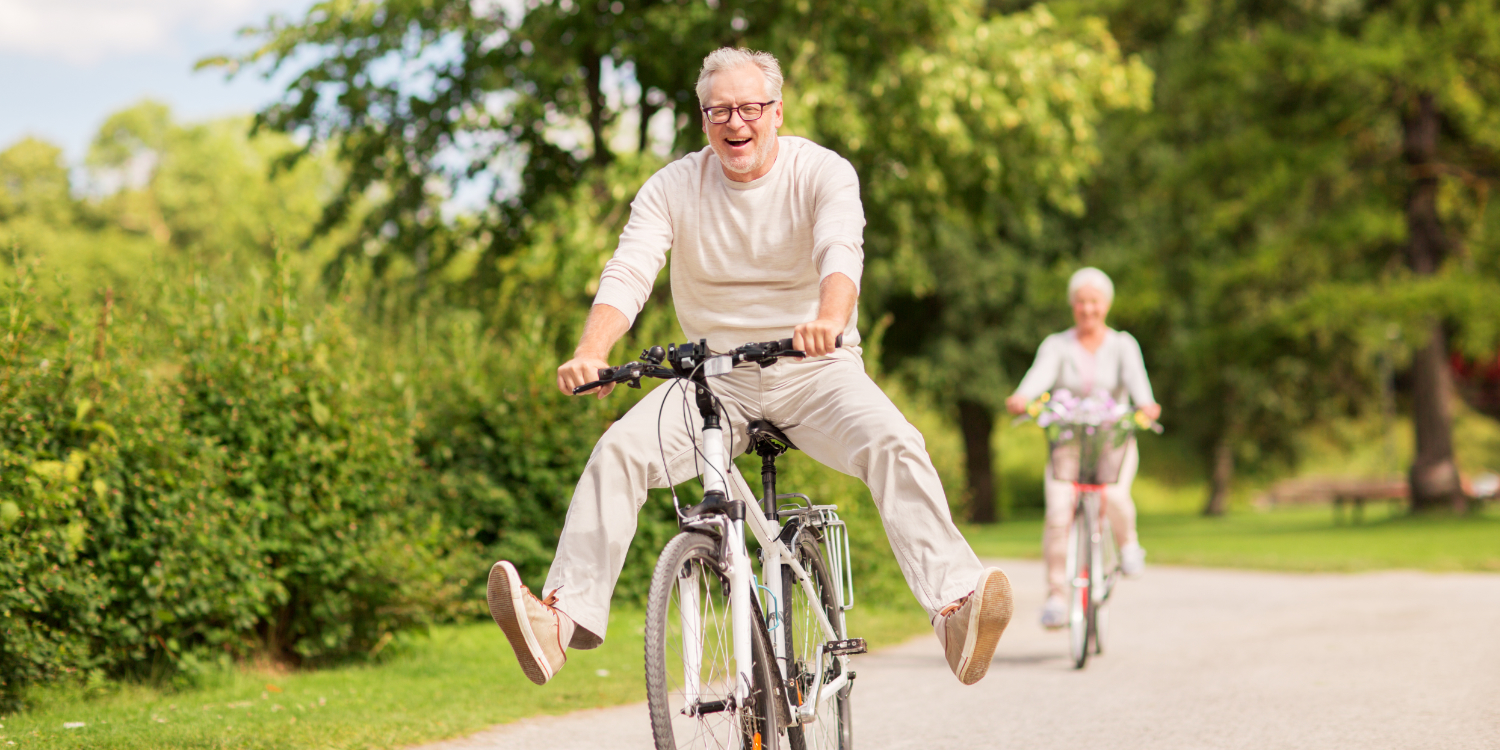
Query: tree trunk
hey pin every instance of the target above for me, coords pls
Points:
(1223, 477)
(647, 112)
(594, 83)
(1434, 475)
(978, 424)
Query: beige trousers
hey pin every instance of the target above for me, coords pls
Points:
(1118, 506)
(830, 408)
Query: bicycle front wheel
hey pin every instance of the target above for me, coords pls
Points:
(1081, 579)
(831, 728)
(690, 666)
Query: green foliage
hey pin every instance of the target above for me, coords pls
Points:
(183, 481)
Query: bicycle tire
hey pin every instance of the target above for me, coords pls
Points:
(690, 563)
(833, 728)
(1080, 580)
(1096, 584)
(1109, 567)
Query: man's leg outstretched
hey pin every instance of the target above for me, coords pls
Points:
(601, 521)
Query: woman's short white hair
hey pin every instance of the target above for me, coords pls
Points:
(1091, 277)
(729, 58)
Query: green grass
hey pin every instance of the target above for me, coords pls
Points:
(1295, 539)
(452, 682)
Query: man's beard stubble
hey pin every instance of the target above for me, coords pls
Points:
(757, 159)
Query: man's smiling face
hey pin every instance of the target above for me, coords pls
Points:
(746, 149)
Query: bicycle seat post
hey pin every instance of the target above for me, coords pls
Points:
(768, 483)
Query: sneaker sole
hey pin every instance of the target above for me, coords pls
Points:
(506, 609)
(987, 623)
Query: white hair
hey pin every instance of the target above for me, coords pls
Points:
(1091, 277)
(730, 58)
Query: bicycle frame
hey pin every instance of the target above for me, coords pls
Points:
(1100, 538)
(775, 554)
(767, 529)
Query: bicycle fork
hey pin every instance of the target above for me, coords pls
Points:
(715, 482)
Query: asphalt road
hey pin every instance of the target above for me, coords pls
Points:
(1193, 659)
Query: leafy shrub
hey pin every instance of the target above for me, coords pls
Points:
(213, 477)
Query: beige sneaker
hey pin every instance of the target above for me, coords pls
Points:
(536, 631)
(970, 628)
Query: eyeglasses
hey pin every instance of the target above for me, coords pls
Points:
(748, 112)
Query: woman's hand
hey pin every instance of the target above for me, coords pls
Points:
(1016, 404)
(1153, 411)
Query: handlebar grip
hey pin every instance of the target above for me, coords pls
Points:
(586, 387)
(786, 344)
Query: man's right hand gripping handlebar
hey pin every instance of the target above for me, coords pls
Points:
(683, 361)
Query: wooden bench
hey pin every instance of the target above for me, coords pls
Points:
(1353, 492)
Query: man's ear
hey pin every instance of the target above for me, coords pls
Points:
(703, 119)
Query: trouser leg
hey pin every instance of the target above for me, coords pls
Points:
(836, 414)
(601, 520)
(1118, 504)
(1061, 497)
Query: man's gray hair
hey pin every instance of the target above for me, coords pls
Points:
(1091, 277)
(730, 58)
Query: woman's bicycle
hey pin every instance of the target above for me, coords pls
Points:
(736, 660)
(1089, 456)
(1088, 440)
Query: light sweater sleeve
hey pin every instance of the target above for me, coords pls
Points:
(838, 233)
(1133, 371)
(1044, 371)
(630, 274)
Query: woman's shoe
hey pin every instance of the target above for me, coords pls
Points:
(1055, 612)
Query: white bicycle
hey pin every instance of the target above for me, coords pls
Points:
(736, 660)
(1089, 456)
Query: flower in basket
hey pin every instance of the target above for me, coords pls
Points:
(1056, 412)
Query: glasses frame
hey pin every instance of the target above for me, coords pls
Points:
(736, 110)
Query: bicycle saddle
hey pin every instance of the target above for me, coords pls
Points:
(765, 438)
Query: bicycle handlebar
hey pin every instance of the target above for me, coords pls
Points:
(688, 360)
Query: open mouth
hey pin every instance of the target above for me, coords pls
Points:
(737, 142)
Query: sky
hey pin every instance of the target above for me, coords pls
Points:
(66, 65)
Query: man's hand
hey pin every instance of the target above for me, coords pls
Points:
(1016, 404)
(837, 297)
(604, 327)
(580, 370)
(817, 337)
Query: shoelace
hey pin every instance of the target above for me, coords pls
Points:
(954, 607)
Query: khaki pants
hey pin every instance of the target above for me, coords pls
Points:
(830, 408)
(1118, 506)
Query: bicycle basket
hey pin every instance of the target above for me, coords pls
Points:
(1088, 454)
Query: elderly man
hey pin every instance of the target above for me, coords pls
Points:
(766, 236)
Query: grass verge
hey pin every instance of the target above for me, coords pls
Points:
(1295, 539)
(451, 682)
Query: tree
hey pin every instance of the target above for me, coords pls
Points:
(1301, 191)
(34, 183)
(968, 128)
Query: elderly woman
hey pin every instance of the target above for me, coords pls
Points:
(1086, 359)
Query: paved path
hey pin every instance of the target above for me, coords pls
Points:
(1194, 659)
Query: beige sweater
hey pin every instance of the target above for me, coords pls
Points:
(747, 257)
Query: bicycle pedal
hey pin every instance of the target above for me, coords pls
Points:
(846, 647)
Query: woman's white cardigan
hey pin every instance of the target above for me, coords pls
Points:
(1117, 368)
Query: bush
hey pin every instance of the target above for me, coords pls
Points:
(214, 477)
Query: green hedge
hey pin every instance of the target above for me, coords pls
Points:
(205, 475)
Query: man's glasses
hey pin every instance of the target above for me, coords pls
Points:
(748, 112)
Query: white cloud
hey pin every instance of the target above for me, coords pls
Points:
(86, 32)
